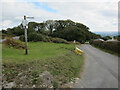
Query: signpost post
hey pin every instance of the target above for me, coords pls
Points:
(24, 23)
(74, 44)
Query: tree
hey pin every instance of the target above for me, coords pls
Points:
(106, 38)
(117, 37)
(66, 29)
(71, 33)
(4, 32)
(50, 25)
(32, 26)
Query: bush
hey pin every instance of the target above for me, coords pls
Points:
(111, 45)
(59, 40)
(3, 36)
(35, 37)
(14, 43)
(46, 38)
(39, 37)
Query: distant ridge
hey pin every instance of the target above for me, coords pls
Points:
(113, 33)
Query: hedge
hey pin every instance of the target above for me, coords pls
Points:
(108, 45)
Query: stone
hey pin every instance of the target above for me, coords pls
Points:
(10, 85)
(47, 78)
(33, 86)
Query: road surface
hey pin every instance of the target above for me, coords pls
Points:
(100, 69)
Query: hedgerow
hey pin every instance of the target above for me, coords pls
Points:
(110, 45)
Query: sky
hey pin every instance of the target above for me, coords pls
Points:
(98, 15)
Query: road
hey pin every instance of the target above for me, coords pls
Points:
(100, 69)
(2, 40)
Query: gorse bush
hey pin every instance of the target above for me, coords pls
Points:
(46, 38)
(111, 45)
(59, 40)
(14, 43)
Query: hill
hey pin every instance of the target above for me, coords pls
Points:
(114, 33)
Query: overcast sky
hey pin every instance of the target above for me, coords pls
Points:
(98, 15)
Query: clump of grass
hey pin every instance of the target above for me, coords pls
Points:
(55, 84)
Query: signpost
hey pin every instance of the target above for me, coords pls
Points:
(24, 23)
(74, 44)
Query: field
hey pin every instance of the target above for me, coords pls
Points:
(25, 70)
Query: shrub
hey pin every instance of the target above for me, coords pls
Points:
(46, 38)
(35, 37)
(77, 43)
(111, 45)
(39, 37)
(59, 40)
(3, 36)
(14, 43)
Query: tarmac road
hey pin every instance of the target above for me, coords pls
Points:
(100, 69)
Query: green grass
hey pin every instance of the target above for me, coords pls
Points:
(37, 50)
(59, 59)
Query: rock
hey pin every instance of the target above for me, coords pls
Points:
(33, 86)
(71, 82)
(20, 74)
(76, 80)
(46, 65)
(47, 78)
(21, 85)
(10, 85)
(51, 87)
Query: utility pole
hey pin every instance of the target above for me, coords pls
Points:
(24, 25)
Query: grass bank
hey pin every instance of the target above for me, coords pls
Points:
(24, 70)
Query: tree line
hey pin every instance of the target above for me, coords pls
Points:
(65, 29)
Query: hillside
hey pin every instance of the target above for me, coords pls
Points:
(114, 33)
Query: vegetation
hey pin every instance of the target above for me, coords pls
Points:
(65, 29)
(106, 38)
(34, 37)
(12, 43)
(117, 37)
(112, 46)
(24, 70)
(108, 51)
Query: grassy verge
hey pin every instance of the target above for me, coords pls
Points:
(108, 51)
(58, 59)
